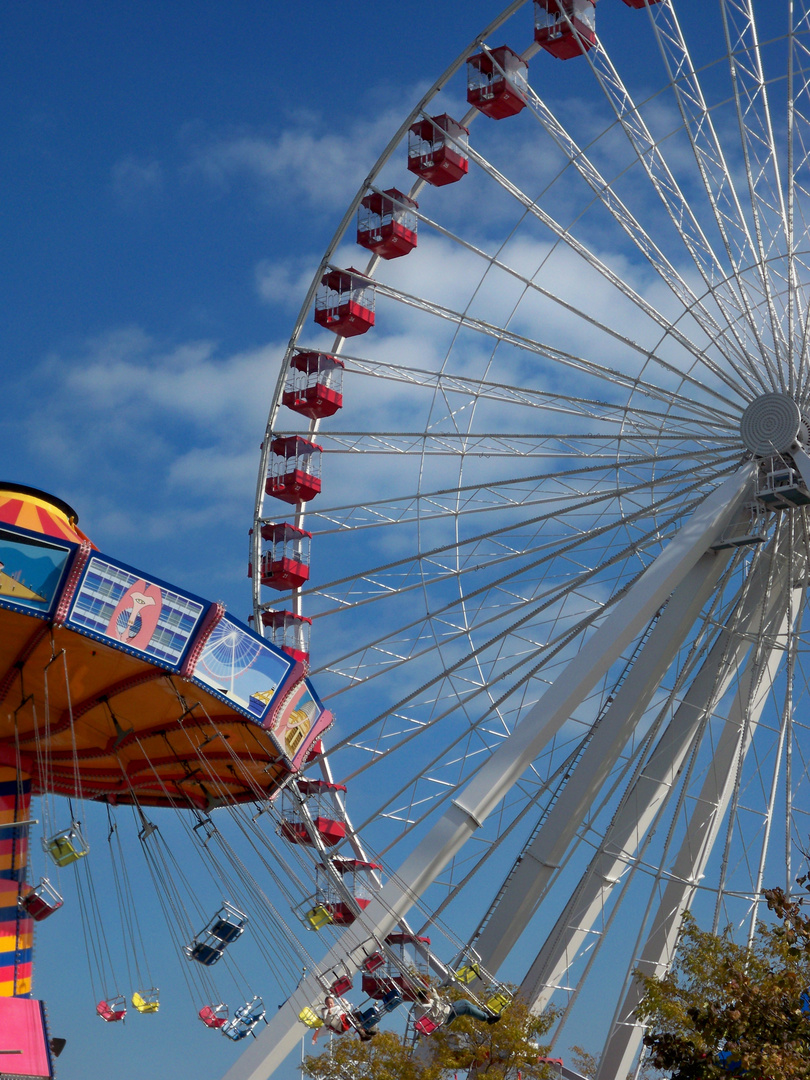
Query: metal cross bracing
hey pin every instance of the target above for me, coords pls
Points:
(737, 356)
(605, 411)
(730, 220)
(717, 179)
(496, 263)
(644, 797)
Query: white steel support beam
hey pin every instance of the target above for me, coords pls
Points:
(702, 831)
(499, 773)
(519, 899)
(646, 796)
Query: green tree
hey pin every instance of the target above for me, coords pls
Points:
(495, 1051)
(724, 998)
(582, 1061)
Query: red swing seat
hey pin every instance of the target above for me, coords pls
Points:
(113, 1010)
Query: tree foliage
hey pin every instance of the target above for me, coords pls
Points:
(725, 1009)
(495, 1051)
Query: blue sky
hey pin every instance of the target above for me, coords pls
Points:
(159, 162)
(170, 176)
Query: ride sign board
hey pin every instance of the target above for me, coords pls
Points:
(300, 722)
(119, 606)
(32, 570)
(242, 669)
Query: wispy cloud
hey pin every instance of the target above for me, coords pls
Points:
(151, 439)
(321, 168)
(137, 180)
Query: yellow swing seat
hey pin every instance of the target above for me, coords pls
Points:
(498, 1002)
(67, 846)
(147, 1003)
(318, 917)
(310, 1018)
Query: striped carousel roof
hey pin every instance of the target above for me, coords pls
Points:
(30, 508)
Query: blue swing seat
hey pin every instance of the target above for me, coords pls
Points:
(244, 1020)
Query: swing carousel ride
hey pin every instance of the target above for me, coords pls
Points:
(120, 689)
(557, 584)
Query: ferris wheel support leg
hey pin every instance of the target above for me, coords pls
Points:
(496, 777)
(518, 900)
(690, 862)
(644, 798)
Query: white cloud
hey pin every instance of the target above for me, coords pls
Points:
(284, 282)
(137, 180)
(322, 169)
(154, 443)
(128, 374)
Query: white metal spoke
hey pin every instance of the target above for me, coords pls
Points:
(719, 185)
(548, 352)
(503, 492)
(551, 403)
(570, 586)
(627, 221)
(563, 235)
(645, 800)
(702, 831)
(692, 304)
(762, 168)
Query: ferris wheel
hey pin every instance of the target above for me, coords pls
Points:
(553, 469)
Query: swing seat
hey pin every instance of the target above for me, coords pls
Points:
(235, 1031)
(468, 972)
(40, 901)
(66, 847)
(373, 962)
(222, 929)
(207, 955)
(391, 1001)
(318, 917)
(228, 923)
(146, 1003)
(497, 1003)
(226, 931)
(113, 1010)
(367, 1018)
(214, 1016)
(425, 1026)
(245, 1019)
(341, 986)
(310, 1018)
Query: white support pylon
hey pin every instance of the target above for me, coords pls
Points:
(521, 895)
(643, 800)
(701, 833)
(485, 790)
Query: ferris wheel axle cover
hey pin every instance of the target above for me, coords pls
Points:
(771, 425)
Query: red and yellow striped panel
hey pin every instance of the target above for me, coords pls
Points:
(14, 936)
(9, 891)
(16, 928)
(38, 513)
(13, 852)
(15, 980)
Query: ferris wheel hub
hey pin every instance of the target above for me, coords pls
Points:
(773, 424)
